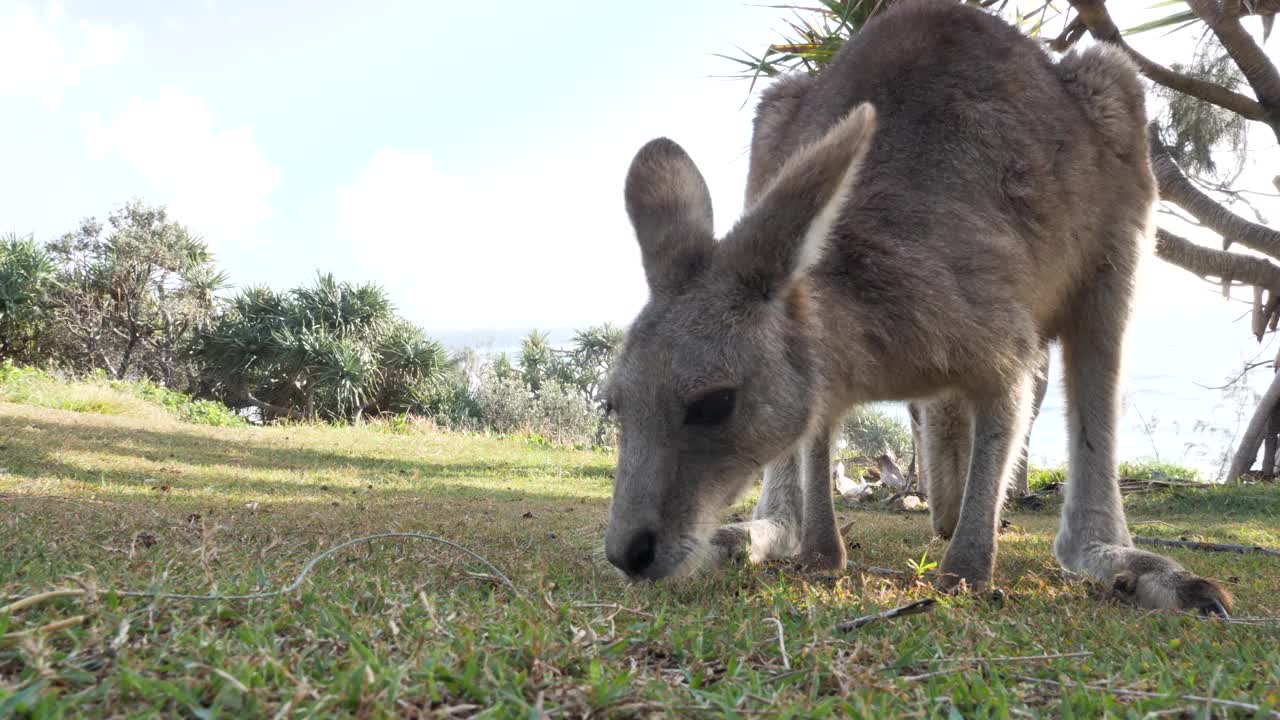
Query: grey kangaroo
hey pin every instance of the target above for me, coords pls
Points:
(922, 218)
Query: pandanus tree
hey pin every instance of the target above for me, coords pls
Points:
(27, 277)
(330, 350)
(1203, 108)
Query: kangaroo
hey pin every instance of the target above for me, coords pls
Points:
(922, 218)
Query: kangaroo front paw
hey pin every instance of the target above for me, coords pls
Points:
(1172, 588)
(729, 543)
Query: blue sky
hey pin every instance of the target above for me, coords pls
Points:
(468, 156)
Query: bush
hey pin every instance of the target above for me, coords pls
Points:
(871, 432)
(330, 350)
(505, 405)
(26, 280)
(449, 402)
(1040, 478)
(565, 416)
(1152, 469)
(196, 412)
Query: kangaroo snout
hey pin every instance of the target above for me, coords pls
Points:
(634, 552)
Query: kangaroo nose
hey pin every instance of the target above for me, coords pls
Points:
(638, 554)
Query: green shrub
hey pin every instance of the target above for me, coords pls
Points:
(870, 431)
(564, 416)
(1150, 469)
(1041, 478)
(448, 402)
(196, 412)
(505, 405)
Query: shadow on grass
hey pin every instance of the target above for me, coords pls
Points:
(37, 448)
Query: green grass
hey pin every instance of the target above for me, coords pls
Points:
(1040, 478)
(30, 386)
(140, 500)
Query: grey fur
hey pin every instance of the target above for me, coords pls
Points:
(992, 202)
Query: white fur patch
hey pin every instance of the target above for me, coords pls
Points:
(815, 239)
(851, 135)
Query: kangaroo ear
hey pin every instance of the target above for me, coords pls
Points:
(670, 209)
(784, 233)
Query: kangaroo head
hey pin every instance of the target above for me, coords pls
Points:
(719, 374)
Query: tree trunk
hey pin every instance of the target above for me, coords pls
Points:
(1247, 450)
(1269, 444)
(127, 357)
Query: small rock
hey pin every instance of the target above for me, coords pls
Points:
(911, 502)
(149, 481)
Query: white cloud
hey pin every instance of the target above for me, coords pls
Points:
(215, 180)
(44, 52)
(542, 239)
(457, 252)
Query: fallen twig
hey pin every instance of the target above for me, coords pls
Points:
(45, 629)
(1143, 694)
(782, 642)
(1207, 546)
(613, 606)
(962, 663)
(37, 599)
(1012, 658)
(911, 608)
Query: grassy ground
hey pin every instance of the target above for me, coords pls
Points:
(137, 500)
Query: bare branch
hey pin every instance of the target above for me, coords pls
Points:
(1208, 263)
(1093, 13)
(1177, 188)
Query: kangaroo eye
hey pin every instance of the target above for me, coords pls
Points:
(711, 409)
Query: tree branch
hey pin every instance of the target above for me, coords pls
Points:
(1095, 16)
(1178, 188)
(1248, 55)
(1241, 8)
(288, 412)
(1208, 263)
